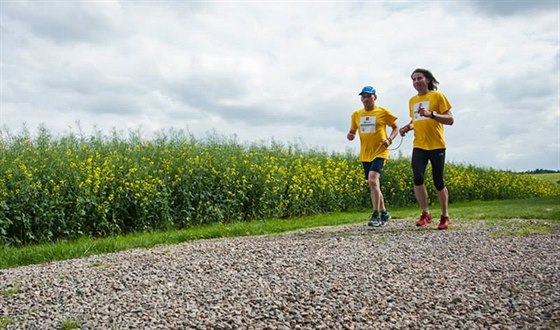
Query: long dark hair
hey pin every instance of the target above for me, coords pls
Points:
(432, 85)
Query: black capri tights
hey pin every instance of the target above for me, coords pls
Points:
(420, 158)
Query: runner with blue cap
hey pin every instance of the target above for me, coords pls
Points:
(372, 122)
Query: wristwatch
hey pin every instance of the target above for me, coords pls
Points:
(432, 115)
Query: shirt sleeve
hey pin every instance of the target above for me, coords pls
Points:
(353, 122)
(443, 104)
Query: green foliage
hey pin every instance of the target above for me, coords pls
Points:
(550, 177)
(15, 288)
(525, 230)
(69, 324)
(476, 183)
(98, 186)
(5, 321)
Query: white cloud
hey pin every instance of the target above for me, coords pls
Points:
(287, 71)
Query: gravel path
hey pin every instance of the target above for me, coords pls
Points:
(343, 277)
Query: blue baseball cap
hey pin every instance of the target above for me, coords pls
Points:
(368, 90)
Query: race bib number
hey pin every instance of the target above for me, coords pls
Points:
(419, 106)
(367, 124)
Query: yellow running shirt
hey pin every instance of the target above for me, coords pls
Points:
(428, 133)
(372, 126)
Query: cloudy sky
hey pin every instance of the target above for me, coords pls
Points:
(288, 71)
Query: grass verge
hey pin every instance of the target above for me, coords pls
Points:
(493, 211)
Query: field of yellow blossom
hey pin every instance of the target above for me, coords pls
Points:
(71, 186)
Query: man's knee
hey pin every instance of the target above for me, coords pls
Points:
(373, 179)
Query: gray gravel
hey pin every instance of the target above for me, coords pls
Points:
(343, 277)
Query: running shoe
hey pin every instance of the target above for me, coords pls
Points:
(425, 219)
(385, 217)
(443, 222)
(375, 220)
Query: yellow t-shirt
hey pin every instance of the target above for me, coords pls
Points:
(372, 126)
(428, 133)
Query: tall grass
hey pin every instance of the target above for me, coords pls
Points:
(56, 188)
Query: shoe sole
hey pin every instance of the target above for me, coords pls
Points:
(384, 222)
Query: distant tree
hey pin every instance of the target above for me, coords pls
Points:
(541, 171)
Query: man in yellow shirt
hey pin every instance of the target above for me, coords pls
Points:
(372, 122)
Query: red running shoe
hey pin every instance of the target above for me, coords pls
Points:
(425, 219)
(443, 222)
